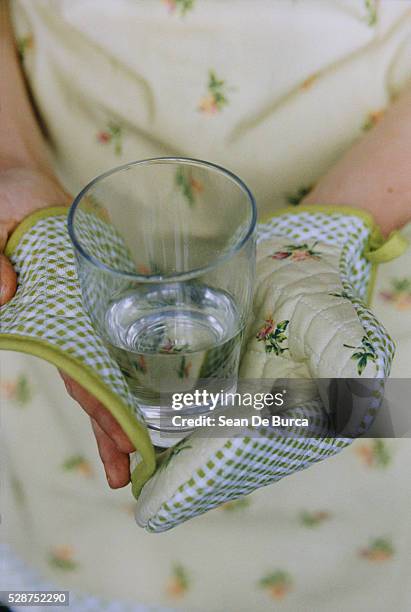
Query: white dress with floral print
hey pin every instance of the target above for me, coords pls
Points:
(275, 90)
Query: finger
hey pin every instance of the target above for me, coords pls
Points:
(8, 280)
(99, 413)
(116, 464)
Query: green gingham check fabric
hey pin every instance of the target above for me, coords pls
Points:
(47, 306)
(201, 473)
(239, 466)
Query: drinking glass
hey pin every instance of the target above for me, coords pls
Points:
(165, 254)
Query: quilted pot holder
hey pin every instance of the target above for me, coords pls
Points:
(310, 321)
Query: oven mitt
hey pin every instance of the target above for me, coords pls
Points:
(315, 271)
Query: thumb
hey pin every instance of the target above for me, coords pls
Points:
(8, 280)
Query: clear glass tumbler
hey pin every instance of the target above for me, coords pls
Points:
(165, 252)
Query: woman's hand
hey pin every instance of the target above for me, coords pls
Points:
(113, 444)
(23, 191)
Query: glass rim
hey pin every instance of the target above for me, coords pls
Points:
(158, 278)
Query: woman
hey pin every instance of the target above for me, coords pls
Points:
(299, 120)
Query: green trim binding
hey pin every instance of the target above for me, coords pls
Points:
(381, 250)
(371, 284)
(27, 224)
